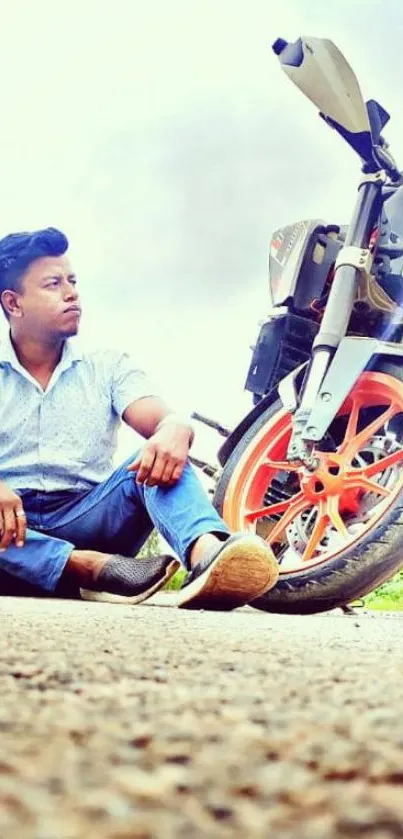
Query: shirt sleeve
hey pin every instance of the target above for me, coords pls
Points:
(129, 383)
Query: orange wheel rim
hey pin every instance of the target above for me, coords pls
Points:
(307, 517)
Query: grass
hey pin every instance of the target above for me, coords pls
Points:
(384, 605)
(388, 597)
(153, 547)
(176, 581)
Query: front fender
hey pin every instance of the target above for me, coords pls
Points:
(286, 389)
(238, 432)
(353, 356)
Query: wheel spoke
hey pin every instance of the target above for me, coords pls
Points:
(350, 447)
(363, 482)
(317, 533)
(270, 510)
(351, 429)
(332, 509)
(383, 463)
(295, 506)
(280, 465)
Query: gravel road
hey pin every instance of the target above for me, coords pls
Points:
(136, 722)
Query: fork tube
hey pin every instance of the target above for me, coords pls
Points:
(342, 293)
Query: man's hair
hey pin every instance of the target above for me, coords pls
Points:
(18, 250)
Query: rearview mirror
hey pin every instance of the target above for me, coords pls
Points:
(320, 70)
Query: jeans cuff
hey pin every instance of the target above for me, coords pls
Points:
(215, 531)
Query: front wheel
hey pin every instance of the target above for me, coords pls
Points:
(337, 532)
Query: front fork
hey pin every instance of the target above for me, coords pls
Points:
(353, 258)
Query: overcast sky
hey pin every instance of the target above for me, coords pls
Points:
(164, 139)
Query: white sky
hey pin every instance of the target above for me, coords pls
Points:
(164, 139)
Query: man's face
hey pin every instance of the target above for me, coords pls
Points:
(48, 304)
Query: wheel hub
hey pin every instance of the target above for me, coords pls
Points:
(330, 479)
(327, 479)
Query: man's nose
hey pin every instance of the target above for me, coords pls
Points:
(70, 292)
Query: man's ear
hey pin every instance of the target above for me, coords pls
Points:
(11, 304)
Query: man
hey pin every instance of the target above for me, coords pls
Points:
(69, 524)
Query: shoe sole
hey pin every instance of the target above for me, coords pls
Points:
(242, 571)
(108, 597)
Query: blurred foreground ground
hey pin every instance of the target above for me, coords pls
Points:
(134, 722)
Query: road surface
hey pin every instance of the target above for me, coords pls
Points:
(124, 722)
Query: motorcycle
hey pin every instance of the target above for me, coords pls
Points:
(316, 466)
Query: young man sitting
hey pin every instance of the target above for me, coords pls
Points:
(69, 524)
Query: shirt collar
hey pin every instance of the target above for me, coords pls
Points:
(71, 352)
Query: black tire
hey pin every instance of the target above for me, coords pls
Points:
(374, 558)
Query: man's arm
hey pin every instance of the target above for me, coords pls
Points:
(169, 437)
(144, 415)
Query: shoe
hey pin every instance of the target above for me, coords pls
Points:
(242, 568)
(127, 580)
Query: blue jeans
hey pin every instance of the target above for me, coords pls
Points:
(117, 516)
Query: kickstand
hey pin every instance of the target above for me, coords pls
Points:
(350, 610)
(347, 610)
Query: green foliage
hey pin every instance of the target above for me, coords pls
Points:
(153, 547)
(176, 581)
(387, 596)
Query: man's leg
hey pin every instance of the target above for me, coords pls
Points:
(52, 564)
(40, 562)
(226, 570)
(118, 514)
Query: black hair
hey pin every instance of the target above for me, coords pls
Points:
(18, 250)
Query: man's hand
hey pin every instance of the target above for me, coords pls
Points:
(163, 457)
(13, 523)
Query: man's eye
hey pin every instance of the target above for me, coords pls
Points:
(53, 283)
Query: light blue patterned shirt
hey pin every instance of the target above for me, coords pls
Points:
(66, 436)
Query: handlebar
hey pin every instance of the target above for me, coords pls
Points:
(386, 161)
